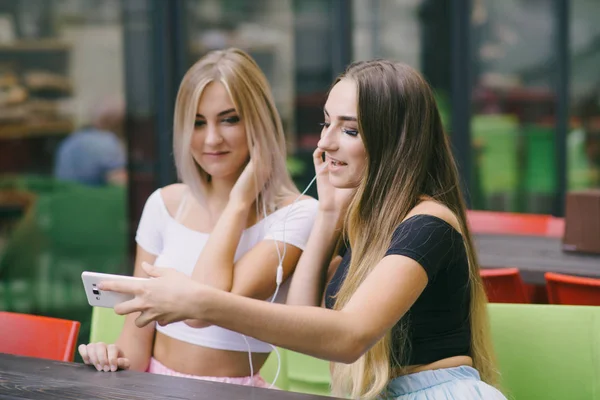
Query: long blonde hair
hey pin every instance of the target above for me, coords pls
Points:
(251, 95)
(408, 155)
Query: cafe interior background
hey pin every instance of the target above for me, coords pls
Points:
(518, 84)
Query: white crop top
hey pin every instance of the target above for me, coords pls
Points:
(179, 247)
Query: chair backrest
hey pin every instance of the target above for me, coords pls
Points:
(65, 233)
(578, 164)
(106, 326)
(308, 374)
(36, 336)
(298, 373)
(498, 139)
(540, 164)
(547, 351)
(504, 285)
(269, 369)
(572, 290)
(503, 223)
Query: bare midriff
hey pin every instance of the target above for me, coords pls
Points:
(197, 360)
(450, 362)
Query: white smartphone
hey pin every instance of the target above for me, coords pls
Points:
(99, 298)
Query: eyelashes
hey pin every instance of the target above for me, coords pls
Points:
(229, 121)
(351, 132)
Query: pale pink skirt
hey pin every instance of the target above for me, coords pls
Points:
(156, 367)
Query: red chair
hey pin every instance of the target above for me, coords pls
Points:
(35, 336)
(556, 227)
(504, 285)
(572, 290)
(504, 223)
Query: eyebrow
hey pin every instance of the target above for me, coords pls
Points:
(342, 117)
(219, 114)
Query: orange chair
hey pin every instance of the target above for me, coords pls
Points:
(572, 290)
(36, 336)
(504, 285)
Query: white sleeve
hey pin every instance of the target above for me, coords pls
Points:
(152, 224)
(297, 219)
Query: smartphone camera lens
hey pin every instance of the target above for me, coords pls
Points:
(96, 291)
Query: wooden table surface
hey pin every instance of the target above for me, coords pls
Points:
(32, 378)
(533, 256)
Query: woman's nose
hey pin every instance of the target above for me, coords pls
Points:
(328, 140)
(213, 136)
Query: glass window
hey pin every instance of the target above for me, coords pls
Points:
(263, 28)
(291, 42)
(513, 105)
(583, 141)
(63, 153)
(416, 32)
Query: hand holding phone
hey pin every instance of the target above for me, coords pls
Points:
(100, 298)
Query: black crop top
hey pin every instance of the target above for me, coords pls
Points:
(438, 322)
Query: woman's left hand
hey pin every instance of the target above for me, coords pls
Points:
(168, 296)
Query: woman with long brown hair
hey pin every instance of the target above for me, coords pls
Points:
(405, 311)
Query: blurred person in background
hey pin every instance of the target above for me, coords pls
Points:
(95, 155)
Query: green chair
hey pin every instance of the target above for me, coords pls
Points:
(269, 369)
(306, 374)
(38, 184)
(106, 326)
(540, 168)
(547, 351)
(64, 234)
(578, 166)
(498, 137)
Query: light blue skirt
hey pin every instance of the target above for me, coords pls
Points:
(459, 383)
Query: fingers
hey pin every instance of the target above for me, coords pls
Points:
(143, 320)
(153, 271)
(195, 323)
(192, 323)
(128, 307)
(123, 363)
(318, 156)
(92, 357)
(320, 164)
(102, 354)
(97, 355)
(131, 287)
(113, 357)
(84, 354)
(102, 357)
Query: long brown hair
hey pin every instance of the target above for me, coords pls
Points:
(408, 156)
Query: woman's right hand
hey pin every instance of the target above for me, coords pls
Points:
(249, 184)
(104, 357)
(331, 199)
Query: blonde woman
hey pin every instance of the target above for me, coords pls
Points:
(223, 226)
(405, 312)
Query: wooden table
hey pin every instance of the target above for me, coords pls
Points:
(32, 378)
(533, 256)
